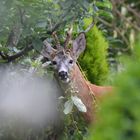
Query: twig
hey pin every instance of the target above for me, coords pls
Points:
(89, 27)
(14, 36)
(62, 21)
(105, 22)
(22, 16)
(116, 28)
(124, 18)
(19, 54)
(2, 55)
(132, 10)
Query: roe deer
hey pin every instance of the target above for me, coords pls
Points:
(69, 75)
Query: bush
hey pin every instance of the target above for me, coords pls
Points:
(93, 61)
(119, 117)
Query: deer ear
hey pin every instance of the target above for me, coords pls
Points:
(47, 50)
(79, 45)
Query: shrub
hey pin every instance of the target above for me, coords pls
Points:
(93, 61)
(119, 117)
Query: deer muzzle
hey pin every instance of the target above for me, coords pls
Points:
(63, 75)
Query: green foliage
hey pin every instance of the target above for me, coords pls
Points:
(94, 61)
(119, 117)
(31, 21)
(75, 128)
(36, 19)
(105, 8)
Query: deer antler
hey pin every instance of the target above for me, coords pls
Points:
(58, 46)
(69, 33)
(68, 38)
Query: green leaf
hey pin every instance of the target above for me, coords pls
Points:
(4, 49)
(41, 24)
(105, 4)
(105, 14)
(37, 44)
(68, 107)
(19, 3)
(16, 50)
(85, 5)
(79, 104)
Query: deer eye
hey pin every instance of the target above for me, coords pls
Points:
(71, 61)
(54, 62)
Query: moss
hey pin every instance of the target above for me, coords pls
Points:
(93, 61)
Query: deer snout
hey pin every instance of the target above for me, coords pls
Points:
(63, 75)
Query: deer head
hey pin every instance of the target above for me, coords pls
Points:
(62, 58)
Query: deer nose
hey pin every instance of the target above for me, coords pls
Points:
(63, 75)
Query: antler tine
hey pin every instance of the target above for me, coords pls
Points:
(68, 38)
(58, 46)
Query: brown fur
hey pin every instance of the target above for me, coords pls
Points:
(87, 91)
